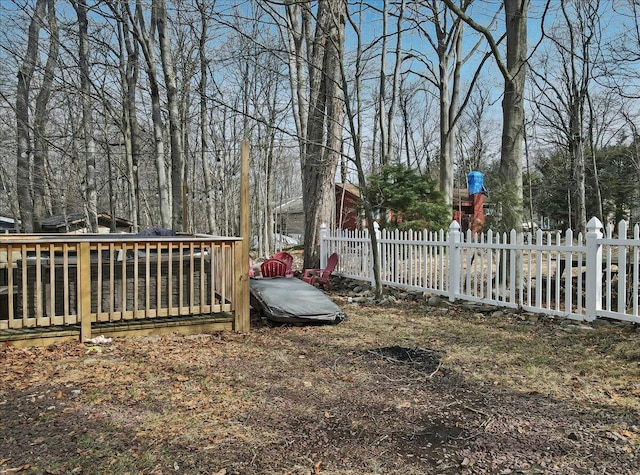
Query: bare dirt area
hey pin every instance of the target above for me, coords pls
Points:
(401, 387)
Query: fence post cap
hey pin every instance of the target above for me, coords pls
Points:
(454, 226)
(594, 225)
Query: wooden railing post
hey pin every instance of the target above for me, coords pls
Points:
(84, 290)
(241, 297)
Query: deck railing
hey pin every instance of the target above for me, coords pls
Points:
(49, 280)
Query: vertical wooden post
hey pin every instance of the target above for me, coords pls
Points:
(241, 321)
(185, 207)
(84, 290)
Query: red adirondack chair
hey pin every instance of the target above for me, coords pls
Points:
(321, 276)
(287, 258)
(273, 268)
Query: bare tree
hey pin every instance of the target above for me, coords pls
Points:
(146, 39)
(41, 118)
(564, 90)
(321, 136)
(513, 69)
(131, 71)
(23, 124)
(621, 67)
(443, 31)
(203, 10)
(91, 198)
(473, 146)
(175, 134)
(353, 107)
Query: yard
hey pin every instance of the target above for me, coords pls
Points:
(401, 387)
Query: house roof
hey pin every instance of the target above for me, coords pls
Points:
(349, 188)
(294, 205)
(6, 221)
(291, 206)
(7, 224)
(75, 219)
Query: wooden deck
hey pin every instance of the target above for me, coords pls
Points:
(61, 286)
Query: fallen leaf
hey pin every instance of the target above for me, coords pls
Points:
(317, 466)
(403, 405)
(466, 462)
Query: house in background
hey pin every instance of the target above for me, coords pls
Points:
(76, 223)
(7, 225)
(348, 215)
(289, 216)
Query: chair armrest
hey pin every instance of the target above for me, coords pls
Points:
(311, 272)
(310, 275)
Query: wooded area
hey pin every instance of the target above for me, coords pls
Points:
(137, 108)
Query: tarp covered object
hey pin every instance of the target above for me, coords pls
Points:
(287, 300)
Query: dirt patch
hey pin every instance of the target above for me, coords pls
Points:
(399, 388)
(421, 359)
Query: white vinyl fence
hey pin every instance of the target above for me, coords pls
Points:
(578, 277)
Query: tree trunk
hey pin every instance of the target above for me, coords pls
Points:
(131, 125)
(40, 120)
(23, 126)
(318, 115)
(177, 158)
(204, 123)
(510, 171)
(382, 90)
(298, 34)
(146, 40)
(395, 86)
(91, 196)
(513, 71)
(320, 161)
(354, 123)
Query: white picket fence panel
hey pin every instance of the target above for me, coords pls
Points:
(578, 277)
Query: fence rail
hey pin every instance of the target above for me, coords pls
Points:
(580, 277)
(61, 280)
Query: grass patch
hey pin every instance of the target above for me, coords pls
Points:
(498, 394)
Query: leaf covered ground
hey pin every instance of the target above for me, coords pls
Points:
(401, 388)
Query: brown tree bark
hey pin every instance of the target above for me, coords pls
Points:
(91, 196)
(513, 69)
(41, 118)
(324, 128)
(23, 125)
(175, 134)
(145, 38)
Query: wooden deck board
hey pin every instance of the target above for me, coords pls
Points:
(131, 328)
